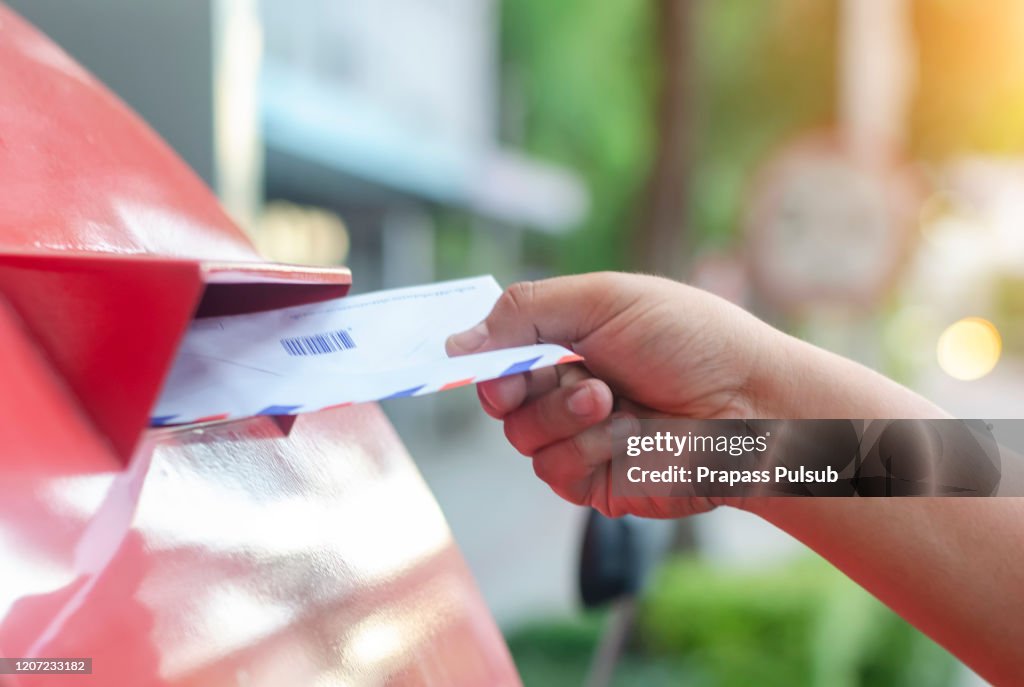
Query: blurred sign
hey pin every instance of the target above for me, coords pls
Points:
(826, 229)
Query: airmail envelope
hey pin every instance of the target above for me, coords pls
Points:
(370, 347)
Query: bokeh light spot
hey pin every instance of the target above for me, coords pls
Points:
(969, 349)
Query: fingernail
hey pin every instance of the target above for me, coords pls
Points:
(469, 340)
(503, 394)
(581, 401)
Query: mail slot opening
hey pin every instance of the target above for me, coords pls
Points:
(242, 298)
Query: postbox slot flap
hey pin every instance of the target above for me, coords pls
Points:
(111, 325)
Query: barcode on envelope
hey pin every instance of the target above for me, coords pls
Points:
(319, 344)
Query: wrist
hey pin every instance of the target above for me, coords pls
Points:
(779, 380)
(801, 381)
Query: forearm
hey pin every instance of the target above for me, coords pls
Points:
(952, 567)
(804, 381)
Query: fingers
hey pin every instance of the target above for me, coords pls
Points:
(499, 397)
(570, 466)
(557, 415)
(561, 310)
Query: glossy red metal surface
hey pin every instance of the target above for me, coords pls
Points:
(236, 554)
(81, 172)
(243, 553)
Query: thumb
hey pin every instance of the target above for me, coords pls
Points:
(562, 310)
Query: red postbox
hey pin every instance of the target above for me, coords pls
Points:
(305, 551)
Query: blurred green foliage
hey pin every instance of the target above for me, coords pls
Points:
(766, 72)
(582, 76)
(587, 78)
(1008, 311)
(800, 623)
(556, 653)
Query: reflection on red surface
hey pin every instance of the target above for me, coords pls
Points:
(80, 172)
(232, 554)
(243, 556)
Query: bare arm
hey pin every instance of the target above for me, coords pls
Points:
(952, 567)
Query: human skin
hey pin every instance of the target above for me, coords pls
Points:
(657, 348)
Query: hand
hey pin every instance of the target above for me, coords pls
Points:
(655, 347)
(652, 348)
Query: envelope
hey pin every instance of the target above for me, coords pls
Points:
(370, 347)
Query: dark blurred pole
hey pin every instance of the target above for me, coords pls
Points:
(661, 234)
(617, 558)
(612, 644)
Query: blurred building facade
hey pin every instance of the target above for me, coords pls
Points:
(388, 110)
